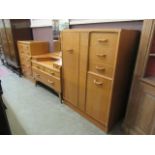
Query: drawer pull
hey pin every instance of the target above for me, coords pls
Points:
(103, 40)
(52, 73)
(70, 51)
(98, 83)
(100, 68)
(37, 75)
(101, 55)
(51, 82)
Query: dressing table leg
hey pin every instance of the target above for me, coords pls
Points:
(60, 97)
(36, 83)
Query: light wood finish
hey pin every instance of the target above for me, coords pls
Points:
(83, 61)
(48, 79)
(70, 67)
(27, 49)
(140, 116)
(47, 70)
(96, 72)
(102, 69)
(98, 91)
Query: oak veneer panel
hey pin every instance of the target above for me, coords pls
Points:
(124, 64)
(143, 110)
(70, 66)
(98, 98)
(140, 116)
(83, 62)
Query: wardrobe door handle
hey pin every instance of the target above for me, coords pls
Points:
(100, 68)
(103, 40)
(70, 50)
(98, 83)
(101, 55)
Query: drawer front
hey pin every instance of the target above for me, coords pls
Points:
(26, 47)
(101, 69)
(53, 73)
(24, 50)
(25, 60)
(20, 48)
(98, 98)
(103, 47)
(47, 70)
(22, 59)
(21, 52)
(26, 70)
(46, 79)
(39, 67)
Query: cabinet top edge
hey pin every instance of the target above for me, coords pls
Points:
(98, 30)
(31, 41)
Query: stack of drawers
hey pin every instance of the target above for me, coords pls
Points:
(27, 49)
(25, 59)
(102, 54)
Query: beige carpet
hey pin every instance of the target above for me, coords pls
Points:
(37, 111)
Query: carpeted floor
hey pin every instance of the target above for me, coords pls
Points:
(37, 111)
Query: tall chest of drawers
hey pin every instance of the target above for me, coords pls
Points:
(97, 67)
(27, 49)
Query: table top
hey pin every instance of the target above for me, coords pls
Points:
(49, 60)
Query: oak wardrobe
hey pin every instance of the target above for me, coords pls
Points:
(12, 30)
(96, 69)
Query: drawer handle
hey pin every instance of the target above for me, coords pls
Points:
(51, 82)
(101, 55)
(52, 73)
(100, 68)
(37, 75)
(70, 51)
(103, 40)
(98, 83)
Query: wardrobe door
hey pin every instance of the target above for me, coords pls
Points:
(70, 48)
(8, 28)
(98, 97)
(5, 44)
